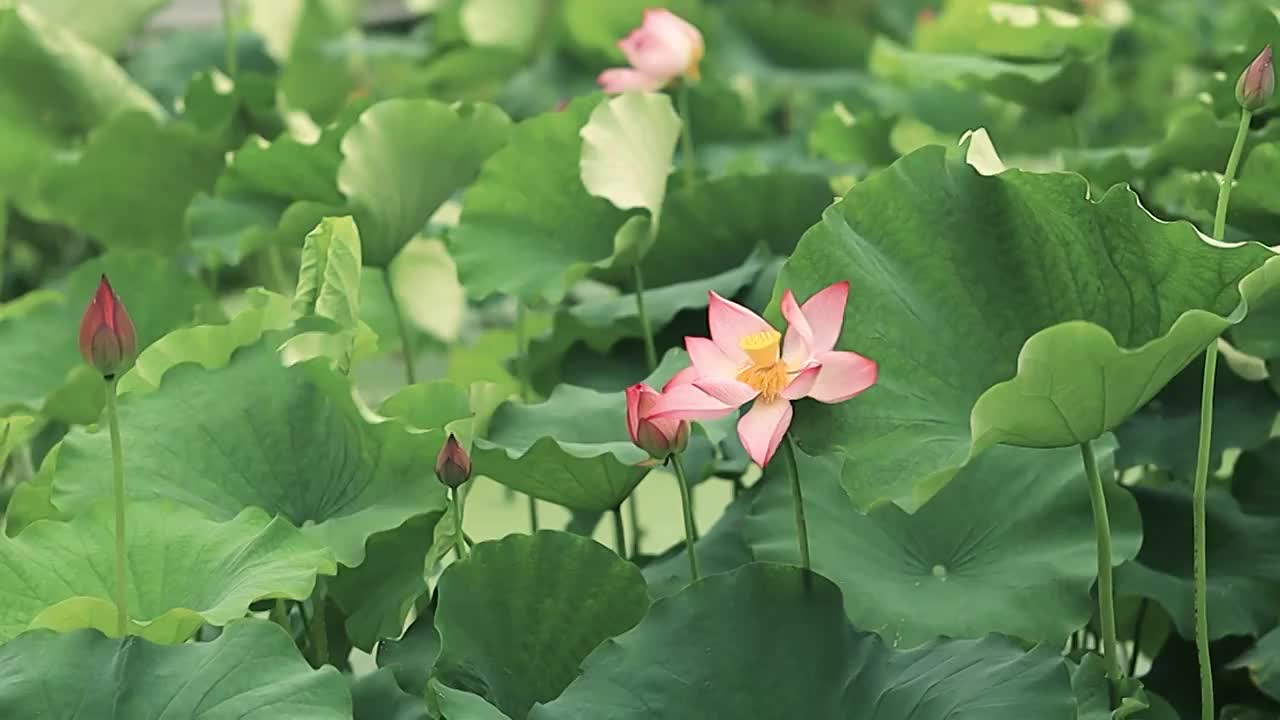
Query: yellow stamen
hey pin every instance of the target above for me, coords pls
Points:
(766, 373)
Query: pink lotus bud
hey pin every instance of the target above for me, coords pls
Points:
(1257, 83)
(660, 437)
(107, 338)
(663, 48)
(453, 465)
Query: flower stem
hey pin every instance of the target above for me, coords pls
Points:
(686, 134)
(650, 352)
(318, 630)
(230, 57)
(797, 499)
(1137, 636)
(1229, 176)
(406, 334)
(1200, 488)
(522, 370)
(690, 529)
(460, 542)
(1106, 594)
(122, 551)
(4, 236)
(275, 262)
(619, 533)
(633, 511)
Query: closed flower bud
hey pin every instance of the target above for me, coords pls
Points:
(1257, 83)
(660, 437)
(453, 465)
(107, 338)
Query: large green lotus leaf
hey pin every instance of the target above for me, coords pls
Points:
(403, 158)
(528, 226)
(457, 704)
(377, 595)
(107, 27)
(129, 186)
(54, 88)
(771, 642)
(257, 434)
(38, 331)
(1166, 432)
(251, 670)
(1051, 85)
(518, 616)
(1243, 574)
(1007, 546)
(1007, 308)
(573, 449)
(412, 657)
(1008, 30)
(184, 570)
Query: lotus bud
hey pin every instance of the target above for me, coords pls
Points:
(107, 338)
(1257, 83)
(660, 437)
(453, 465)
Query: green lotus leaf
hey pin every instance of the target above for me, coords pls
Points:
(377, 595)
(1007, 546)
(1006, 308)
(717, 649)
(377, 697)
(103, 27)
(462, 705)
(412, 657)
(329, 276)
(573, 449)
(128, 187)
(184, 570)
(1007, 30)
(289, 440)
(627, 146)
(519, 614)
(54, 88)
(403, 158)
(1242, 532)
(38, 332)
(528, 226)
(251, 669)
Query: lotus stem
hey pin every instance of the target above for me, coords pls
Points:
(118, 491)
(690, 529)
(318, 629)
(523, 371)
(460, 542)
(650, 352)
(686, 134)
(1106, 592)
(231, 57)
(797, 499)
(619, 532)
(406, 334)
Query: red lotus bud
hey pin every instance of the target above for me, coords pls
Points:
(1257, 83)
(453, 465)
(660, 437)
(107, 339)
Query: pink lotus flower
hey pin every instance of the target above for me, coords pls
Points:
(746, 359)
(664, 47)
(107, 338)
(657, 436)
(453, 464)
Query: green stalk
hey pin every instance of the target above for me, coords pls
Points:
(406, 334)
(280, 615)
(460, 542)
(650, 352)
(319, 633)
(122, 550)
(686, 134)
(690, 529)
(231, 57)
(1106, 593)
(275, 263)
(619, 533)
(633, 511)
(522, 370)
(1137, 636)
(797, 499)
(4, 236)
(1200, 489)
